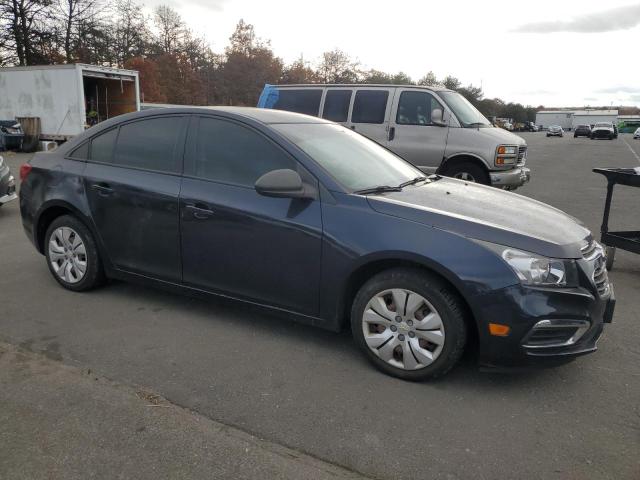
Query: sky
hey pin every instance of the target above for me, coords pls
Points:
(546, 52)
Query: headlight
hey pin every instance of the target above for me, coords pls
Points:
(506, 155)
(536, 270)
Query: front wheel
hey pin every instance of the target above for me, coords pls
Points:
(469, 172)
(72, 254)
(409, 324)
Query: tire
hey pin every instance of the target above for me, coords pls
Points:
(468, 171)
(61, 252)
(610, 255)
(405, 335)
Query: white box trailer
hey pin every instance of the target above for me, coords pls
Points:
(547, 118)
(67, 98)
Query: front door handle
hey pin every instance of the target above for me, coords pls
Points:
(199, 210)
(102, 188)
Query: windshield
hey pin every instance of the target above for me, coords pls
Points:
(467, 114)
(354, 161)
(603, 124)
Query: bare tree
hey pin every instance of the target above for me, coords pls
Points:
(75, 16)
(22, 23)
(337, 67)
(171, 28)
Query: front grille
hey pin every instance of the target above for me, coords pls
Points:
(594, 254)
(522, 152)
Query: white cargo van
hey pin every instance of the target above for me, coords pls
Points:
(436, 129)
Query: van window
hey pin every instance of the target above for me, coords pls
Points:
(300, 101)
(414, 108)
(149, 144)
(102, 146)
(369, 106)
(336, 105)
(230, 153)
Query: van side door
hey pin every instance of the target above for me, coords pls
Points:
(412, 134)
(371, 111)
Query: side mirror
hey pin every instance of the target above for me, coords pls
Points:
(437, 118)
(283, 183)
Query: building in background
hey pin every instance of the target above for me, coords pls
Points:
(570, 119)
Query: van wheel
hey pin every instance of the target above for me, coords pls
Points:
(72, 254)
(409, 324)
(469, 172)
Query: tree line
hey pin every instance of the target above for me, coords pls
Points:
(178, 66)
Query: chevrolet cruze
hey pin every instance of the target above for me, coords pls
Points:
(306, 217)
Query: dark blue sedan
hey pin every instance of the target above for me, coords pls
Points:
(309, 218)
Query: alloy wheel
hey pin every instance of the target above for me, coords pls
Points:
(402, 328)
(67, 254)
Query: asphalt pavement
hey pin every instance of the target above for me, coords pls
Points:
(313, 392)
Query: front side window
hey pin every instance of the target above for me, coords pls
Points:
(414, 108)
(336, 105)
(467, 114)
(227, 152)
(305, 101)
(102, 146)
(369, 106)
(352, 159)
(149, 144)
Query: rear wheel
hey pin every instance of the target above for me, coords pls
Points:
(610, 255)
(409, 324)
(468, 171)
(72, 255)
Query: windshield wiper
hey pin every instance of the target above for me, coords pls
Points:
(475, 124)
(411, 182)
(378, 189)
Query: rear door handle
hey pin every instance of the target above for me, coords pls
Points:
(199, 210)
(392, 133)
(102, 188)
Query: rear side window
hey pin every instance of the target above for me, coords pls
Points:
(336, 105)
(227, 152)
(414, 108)
(369, 106)
(149, 144)
(102, 146)
(300, 101)
(82, 152)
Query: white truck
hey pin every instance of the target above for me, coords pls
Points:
(67, 98)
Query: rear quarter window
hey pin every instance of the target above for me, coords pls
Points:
(102, 146)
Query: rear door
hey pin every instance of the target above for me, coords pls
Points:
(132, 181)
(412, 134)
(370, 112)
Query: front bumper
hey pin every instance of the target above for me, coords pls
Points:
(510, 178)
(522, 308)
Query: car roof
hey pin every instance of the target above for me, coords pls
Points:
(262, 115)
(361, 85)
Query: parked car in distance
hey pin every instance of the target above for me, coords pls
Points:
(555, 131)
(603, 130)
(636, 134)
(7, 184)
(306, 217)
(435, 129)
(527, 127)
(582, 131)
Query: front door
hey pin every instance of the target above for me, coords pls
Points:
(413, 136)
(132, 180)
(235, 241)
(370, 113)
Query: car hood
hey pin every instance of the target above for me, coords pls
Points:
(501, 136)
(486, 213)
